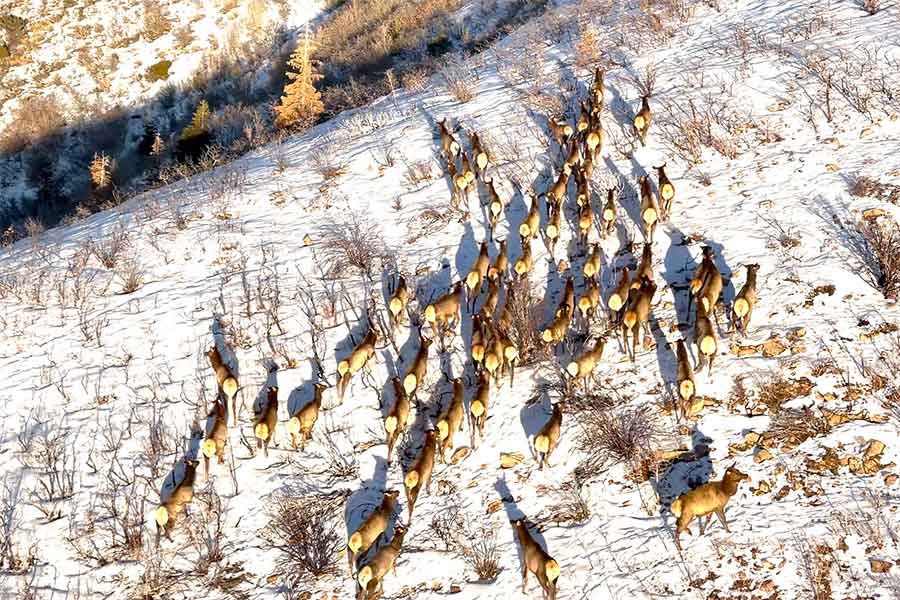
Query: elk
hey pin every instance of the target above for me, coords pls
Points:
(265, 419)
(498, 269)
(645, 268)
(597, 91)
(594, 261)
(478, 407)
(561, 130)
(582, 189)
(478, 273)
(581, 368)
(536, 560)
(376, 568)
(524, 263)
(478, 344)
(584, 118)
(590, 299)
(558, 190)
(460, 184)
(302, 422)
(687, 390)
(619, 296)
(398, 301)
(495, 206)
(609, 214)
(371, 528)
(532, 223)
(216, 435)
(493, 354)
(666, 191)
(742, 308)
(587, 163)
(710, 292)
(555, 332)
(225, 378)
(649, 209)
(642, 120)
(180, 496)
(359, 358)
(415, 375)
(594, 139)
(478, 152)
(705, 338)
(449, 146)
(451, 419)
(547, 438)
(466, 170)
(585, 222)
(705, 500)
(551, 232)
(419, 472)
(573, 160)
(637, 315)
(706, 263)
(446, 308)
(397, 418)
(510, 352)
(568, 297)
(492, 298)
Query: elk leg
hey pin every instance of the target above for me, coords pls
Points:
(701, 361)
(721, 514)
(524, 574)
(710, 360)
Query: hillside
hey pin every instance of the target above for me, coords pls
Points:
(779, 127)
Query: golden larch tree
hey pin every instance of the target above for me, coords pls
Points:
(301, 102)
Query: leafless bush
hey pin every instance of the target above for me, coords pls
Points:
(341, 463)
(645, 82)
(571, 507)
(459, 78)
(711, 123)
(205, 530)
(9, 522)
(304, 532)
(418, 173)
(156, 24)
(871, 6)
(132, 275)
(446, 525)
(483, 555)
(326, 165)
(108, 250)
(794, 426)
(476, 545)
(816, 560)
(525, 309)
(607, 437)
(882, 254)
(56, 478)
(355, 243)
(869, 187)
(415, 79)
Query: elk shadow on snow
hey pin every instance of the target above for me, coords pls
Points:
(685, 472)
(513, 513)
(629, 197)
(535, 413)
(367, 498)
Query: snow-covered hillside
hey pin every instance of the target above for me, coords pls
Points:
(106, 324)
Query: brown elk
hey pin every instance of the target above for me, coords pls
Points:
(397, 418)
(555, 332)
(705, 338)
(225, 378)
(666, 191)
(742, 308)
(584, 118)
(376, 568)
(495, 205)
(590, 299)
(619, 296)
(705, 500)
(547, 437)
(478, 407)
(645, 268)
(478, 153)
(561, 130)
(176, 502)
(498, 269)
(415, 375)
(371, 528)
(642, 120)
(451, 419)
(216, 435)
(637, 315)
(449, 146)
(398, 301)
(706, 264)
(594, 261)
(532, 223)
(446, 308)
(359, 358)
(478, 343)
(554, 227)
(302, 422)
(649, 209)
(525, 262)
(582, 367)
(536, 560)
(597, 91)
(265, 419)
(478, 273)
(419, 472)
(608, 216)
(687, 390)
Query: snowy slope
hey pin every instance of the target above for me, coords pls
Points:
(189, 240)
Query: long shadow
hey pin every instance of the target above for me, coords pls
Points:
(679, 265)
(534, 415)
(433, 284)
(466, 251)
(685, 472)
(271, 380)
(367, 497)
(629, 196)
(728, 292)
(514, 513)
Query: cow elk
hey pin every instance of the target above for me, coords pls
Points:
(547, 437)
(396, 420)
(176, 502)
(419, 472)
(687, 390)
(302, 422)
(696, 283)
(225, 379)
(498, 269)
(478, 407)
(532, 223)
(555, 332)
(371, 528)
(451, 419)
(705, 338)
(398, 301)
(536, 560)
(619, 296)
(594, 261)
(637, 315)
(552, 231)
(478, 153)
(608, 216)
(449, 146)
(495, 206)
(525, 262)
(642, 120)
(742, 308)
(415, 375)
(561, 130)
(582, 367)
(705, 500)
(478, 273)
(359, 358)
(265, 420)
(216, 436)
(590, 299)
(446, 308)
(597, 91)
(371, 575)
(666, 191)
(649, 209)
(645, 268)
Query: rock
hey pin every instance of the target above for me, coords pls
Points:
(782, 493)
(767, 586)
(752, 438)
(870, 214)
(455, 589)
(762, 456)
(831, 167)
(508, 460)
(874, 449)
(764, 488)
(891, 479)
(855, 465)
(459, 454)
(880, 566)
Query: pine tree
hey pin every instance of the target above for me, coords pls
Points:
(301, 102)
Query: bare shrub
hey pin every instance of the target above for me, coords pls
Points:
(355, 243)
(476, 545)
(38, 118)
(869, 187)
(156, 24)
(525, 310)
(645, 82)
(483, 555)
(326, 165)
(689, 128)
(304, 532)
(882, 254)
(109, 249)
(587, 48)
(794, 426)
(132, 275)
(607, 437)
(570, 508)
(459, 78)
(776, 389)
(816, 559)
(418, 173)
(415, 79)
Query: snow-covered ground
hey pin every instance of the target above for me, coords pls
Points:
(205, 244)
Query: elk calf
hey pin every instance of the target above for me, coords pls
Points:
(705, 500)
(419, 472)
(385, 560)
(743, 305)
(265, 420)
(302, 422)
(536, 560)
(371, 528)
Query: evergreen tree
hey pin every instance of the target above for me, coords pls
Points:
(301, 103)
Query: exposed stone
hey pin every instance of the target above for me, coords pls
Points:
(509, 460)
(874, 449)
(762, 456)
(880, 566)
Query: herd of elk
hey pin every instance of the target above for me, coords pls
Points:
(493, 350)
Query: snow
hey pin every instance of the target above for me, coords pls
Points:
(154, 341)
